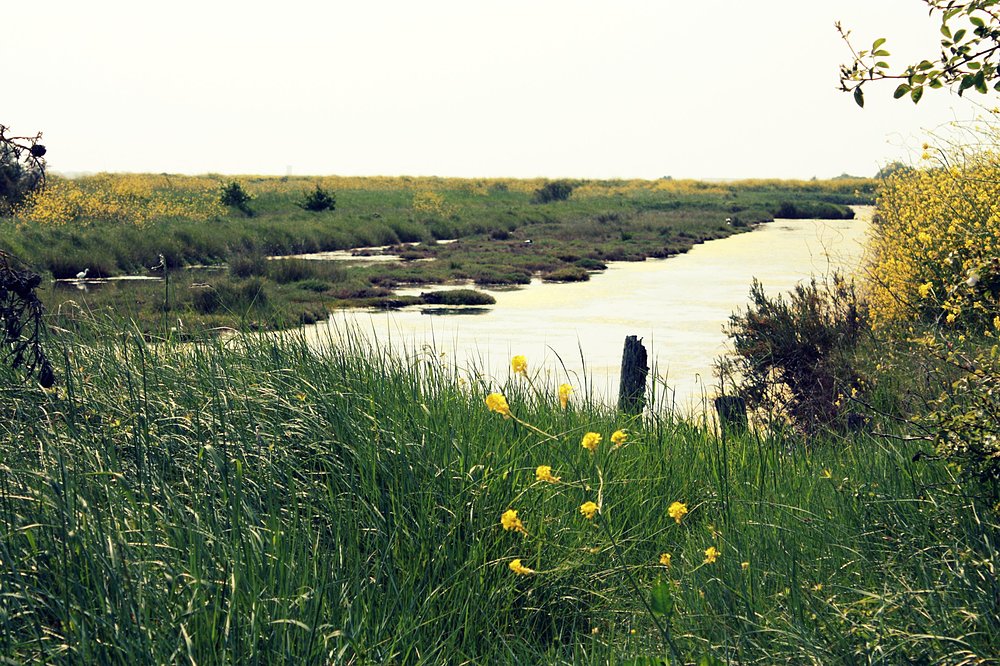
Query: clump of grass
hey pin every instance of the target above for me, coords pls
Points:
(457, 297)
(567, 274)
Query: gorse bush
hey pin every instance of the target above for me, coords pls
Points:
(794, 358)
(935, 246)
(934, 274)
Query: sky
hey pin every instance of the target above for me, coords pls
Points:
(469, 88)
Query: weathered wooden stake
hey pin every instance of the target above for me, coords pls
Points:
(732, 411)
(632, 394)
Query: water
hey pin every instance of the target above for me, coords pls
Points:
(575, 332)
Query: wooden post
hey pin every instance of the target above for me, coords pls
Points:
(632, 394)
(732, 412)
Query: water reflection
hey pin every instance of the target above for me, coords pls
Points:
(575, 332)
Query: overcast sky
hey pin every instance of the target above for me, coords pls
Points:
(554, 88)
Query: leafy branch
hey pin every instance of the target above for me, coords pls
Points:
(969, 56)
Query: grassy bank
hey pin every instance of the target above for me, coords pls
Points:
(262, 502)
(121, 224)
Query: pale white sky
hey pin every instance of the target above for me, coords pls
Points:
(555, 88)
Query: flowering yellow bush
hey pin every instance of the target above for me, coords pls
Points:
(127, 198)
(935, 245)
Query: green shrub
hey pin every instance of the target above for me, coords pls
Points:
(234, 196)
(813, 210)
(318, 200)
(557, 190)
(794, 358)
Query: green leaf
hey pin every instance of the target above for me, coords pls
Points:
(900, 91)
(935, 83)
(981, 82)
(881, 53)
(859, 97)
(882, 65)
(967, 82)
(661, 599)
(976, 21)
(959, 35)
(946, 31)
(877, 43)
(916, 94)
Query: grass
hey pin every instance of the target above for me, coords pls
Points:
(256, 501)
(503, 237)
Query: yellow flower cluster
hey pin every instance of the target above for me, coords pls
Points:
(431, 203)
(544, 473)
(495, 402)
(564, 391)
(519, 364)
(590, 441)
(512, 523)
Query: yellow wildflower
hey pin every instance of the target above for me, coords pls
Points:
(519, 364)
(588, 509)
(518, 568)
(495, 402)
(665, 559)
(677, 511)
(564, 391)
(951, 318)
(925, 289)
(590, 441)
(744, 565)
(618, 438)
(511, 522)
(711, 554)
(544, 473)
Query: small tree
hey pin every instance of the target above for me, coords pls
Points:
(22, 168)
(234, 196)
(319, 200)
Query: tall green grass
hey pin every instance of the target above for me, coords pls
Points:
(257, 500)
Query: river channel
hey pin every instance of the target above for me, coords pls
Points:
(575, 332)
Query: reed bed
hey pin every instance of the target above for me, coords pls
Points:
(258, 500)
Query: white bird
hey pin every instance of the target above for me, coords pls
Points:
(82, 274)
